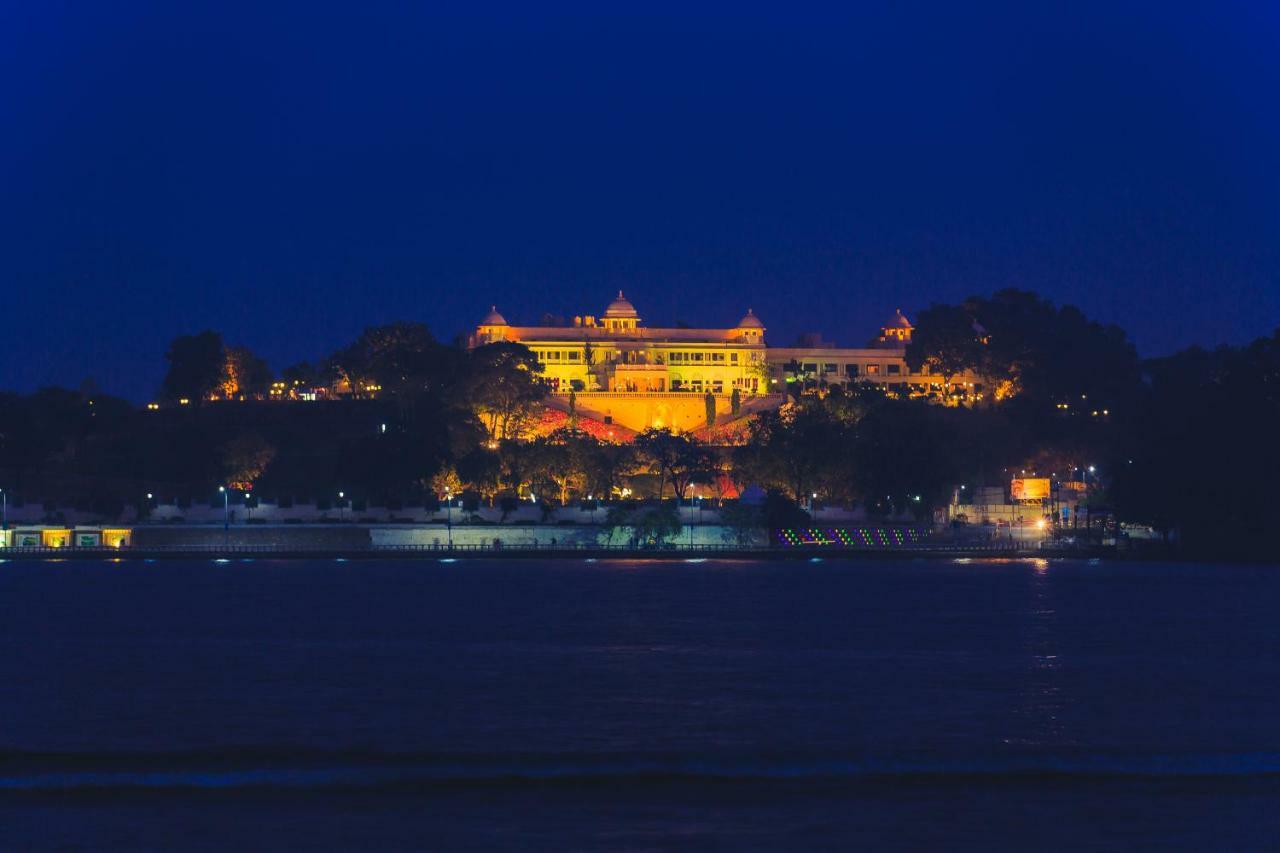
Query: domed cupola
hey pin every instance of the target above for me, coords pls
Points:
(750, 327)
(492, 328)
(621, 307)
(897, 332)
(621, 315)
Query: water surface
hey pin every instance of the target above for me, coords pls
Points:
(559, 705)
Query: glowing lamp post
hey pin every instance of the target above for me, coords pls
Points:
(226, 515)
(448, 517)
(342, 515)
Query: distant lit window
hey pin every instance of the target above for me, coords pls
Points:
(873, 369)
(733, 358)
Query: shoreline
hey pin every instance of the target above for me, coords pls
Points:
(683, 554)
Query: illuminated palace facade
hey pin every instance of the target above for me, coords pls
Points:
(638, 376)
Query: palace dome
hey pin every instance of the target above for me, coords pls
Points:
(493, 318)
(620, 307)
(750, 321)
(899, 321)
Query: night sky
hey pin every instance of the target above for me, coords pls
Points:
(288, 176)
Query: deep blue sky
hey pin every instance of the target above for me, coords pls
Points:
(288, 173)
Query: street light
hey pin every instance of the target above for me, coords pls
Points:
(341, 507)
(448, 515)
(226, 515)
(4, 510)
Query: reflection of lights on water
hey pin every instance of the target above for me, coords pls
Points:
(696, 560)
(962, 560)
(340, 559)
(448, 559)
(1040, 564)
(815, 559)
(222, 560)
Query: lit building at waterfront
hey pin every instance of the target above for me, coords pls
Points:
(624, 372)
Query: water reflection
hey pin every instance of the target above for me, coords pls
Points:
(1037, 717)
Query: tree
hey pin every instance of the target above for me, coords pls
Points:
(735, 402)
(506, 389)
(1197, 457)
(618, 517)
(945, 342)
(398, 358)
(480, 469)
(608, 466)
(744, 520)
(801, 448)
(300, 377)
(559, 462)
(761, 372)
(676, 458)
(573, 409)
(195, 367)
(709, 403)
(905, 458)
(798, 378)
(244, 374)
(244, 459)
(445, 483)
(655, 525)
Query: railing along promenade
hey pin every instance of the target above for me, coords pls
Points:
(567, 548)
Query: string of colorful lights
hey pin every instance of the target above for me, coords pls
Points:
(851, 537)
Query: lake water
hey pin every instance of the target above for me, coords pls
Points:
(630, 705)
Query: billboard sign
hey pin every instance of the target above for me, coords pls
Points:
(1030, 489)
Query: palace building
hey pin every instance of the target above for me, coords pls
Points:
(624, 372)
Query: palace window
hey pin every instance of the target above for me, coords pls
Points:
(733, 358)
(810, 367)
(695, 385)
(717, 387)
(829, 367)
(873, 369)
(574, 355)
(895, 369)
(851, 370)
